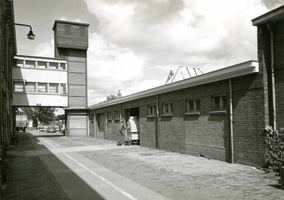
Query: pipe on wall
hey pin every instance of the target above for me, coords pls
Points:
(272, 76)
(157, 122)
(231, 122)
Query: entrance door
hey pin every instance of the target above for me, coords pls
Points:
(101, 126)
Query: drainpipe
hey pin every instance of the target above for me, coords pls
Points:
(231, 123)
(272, 77)
(157, 122)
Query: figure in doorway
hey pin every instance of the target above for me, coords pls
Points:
(121, 132)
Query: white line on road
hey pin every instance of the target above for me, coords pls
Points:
(95, 174)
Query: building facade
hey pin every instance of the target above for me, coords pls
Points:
(7, 52)
(39, 81)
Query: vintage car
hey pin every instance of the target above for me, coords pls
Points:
(51, 129)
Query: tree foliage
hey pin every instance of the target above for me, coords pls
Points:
(43, 114)
(110, 98)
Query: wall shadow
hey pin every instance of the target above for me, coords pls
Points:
(32, 173)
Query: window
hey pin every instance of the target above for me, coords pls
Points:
(42, 88)
(109, 115)
(20, 63)
(116, 115)
(62, 66)
(30, 63)
(63, 89)
(167, 108)
(53, 65)
(42, 65)
(152, 110)
(92, 118)
(219, 102)
(53, 88)
(68, 29)
(30, 87)
(18, 87)
(192, 105)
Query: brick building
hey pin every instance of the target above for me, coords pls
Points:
(220, 115)
(7, 52)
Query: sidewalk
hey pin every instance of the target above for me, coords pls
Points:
(30, 178)
(45, 166)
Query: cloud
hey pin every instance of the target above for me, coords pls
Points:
(45, 49)
(271, 4)
(178, 32)
(111, 68)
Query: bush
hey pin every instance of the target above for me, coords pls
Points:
(274, 149)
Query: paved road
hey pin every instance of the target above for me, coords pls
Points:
(91, 168)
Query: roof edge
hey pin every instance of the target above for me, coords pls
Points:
(69, 22)
(232, 71)
(269, 16)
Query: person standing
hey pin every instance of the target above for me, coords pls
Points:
(121, 132)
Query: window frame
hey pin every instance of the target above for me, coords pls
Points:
(151, 110)
(168, 111)
(46, 89)
(109, 116)
(29, 83)
(195, 107)
(22, 84)
(223, 106)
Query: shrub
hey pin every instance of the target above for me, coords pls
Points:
(274, 149)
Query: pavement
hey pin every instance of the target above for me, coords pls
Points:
(52, 166)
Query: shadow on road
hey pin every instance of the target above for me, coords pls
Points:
(33, 178)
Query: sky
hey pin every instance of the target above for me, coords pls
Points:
(133, 44)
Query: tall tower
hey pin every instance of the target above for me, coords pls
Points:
(71, 43)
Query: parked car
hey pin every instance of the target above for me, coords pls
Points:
(43, 127)
(51, 129)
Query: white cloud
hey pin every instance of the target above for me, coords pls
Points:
(45, 49)
(136, 35)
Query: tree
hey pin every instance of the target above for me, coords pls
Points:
(43, 114)
(110, 98)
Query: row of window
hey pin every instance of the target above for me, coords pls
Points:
(219, 103)
(41, 65)
(31, 87)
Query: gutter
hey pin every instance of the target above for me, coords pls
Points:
(231, 123)
(272, 76)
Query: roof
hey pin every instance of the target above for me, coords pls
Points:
(271, 16)
(38, 58)
(237, 70)
(69, 22)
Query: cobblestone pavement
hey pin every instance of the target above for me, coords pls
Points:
(180, 176)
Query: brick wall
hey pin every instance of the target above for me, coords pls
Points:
(278, 32)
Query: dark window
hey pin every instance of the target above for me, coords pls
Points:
(167, 108)
(193, 105)
(220, 102)
(152, 110)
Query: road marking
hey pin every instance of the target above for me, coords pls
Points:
(95, 174)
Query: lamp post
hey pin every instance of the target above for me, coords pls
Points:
(31, 35)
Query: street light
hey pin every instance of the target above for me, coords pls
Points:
(31, 35)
